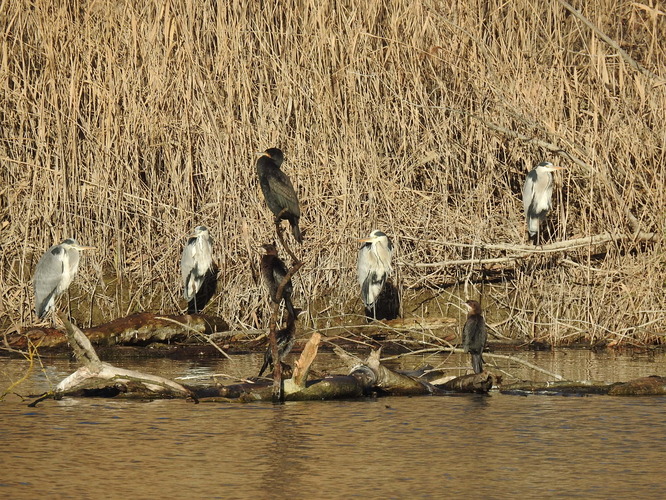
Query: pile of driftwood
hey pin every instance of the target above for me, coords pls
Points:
(96, 378)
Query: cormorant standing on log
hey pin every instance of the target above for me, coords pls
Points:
(474, 334)
(285, 341)
(273, 272)
(278, 190)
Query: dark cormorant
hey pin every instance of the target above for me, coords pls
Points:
(537, 194)
(273, 271)
(278, 190)
(285, 341)
(474, 334)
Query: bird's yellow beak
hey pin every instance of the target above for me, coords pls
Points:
(366, 240)
(262, 153)
(80, 247)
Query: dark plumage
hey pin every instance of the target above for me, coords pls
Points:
(278, 190)
(475, 335)
(273, 272)
(285, 341)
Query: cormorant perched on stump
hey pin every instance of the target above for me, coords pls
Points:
(474, 334)
(285, 341)
(273, 272)
(537, 194)
(278, 190)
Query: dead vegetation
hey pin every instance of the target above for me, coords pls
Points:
(125, 124)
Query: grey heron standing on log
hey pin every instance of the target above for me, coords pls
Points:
(278, 190)
(54, 273)
(373, 267)
(474, 334)
(537, 194)
(196, 263)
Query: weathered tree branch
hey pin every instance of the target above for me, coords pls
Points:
(623, 53)
(524, 251)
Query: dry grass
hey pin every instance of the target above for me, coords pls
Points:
(125, 124)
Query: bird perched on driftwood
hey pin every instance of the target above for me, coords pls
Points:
(537, 194)
(285, 341)
(474, 334)
(373, 268)
(273, 271)
(54, 273)
(196, 263)
(278, 190)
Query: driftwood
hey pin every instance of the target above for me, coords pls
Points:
(136, 329)
(644, 386)
(524, 251)
(96, 374)
(366, 377)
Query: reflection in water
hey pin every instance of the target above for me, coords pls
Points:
(456, 446)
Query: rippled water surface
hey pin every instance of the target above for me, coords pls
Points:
(459, 446)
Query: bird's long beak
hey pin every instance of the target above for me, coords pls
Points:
(262, 153)
(366, 240)
(81, 247)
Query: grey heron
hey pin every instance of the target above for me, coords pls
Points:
(54, 273)
(273, 271)
(278, 190)
(373, 267)
(196, 263)
(474, 334)
(537, 194)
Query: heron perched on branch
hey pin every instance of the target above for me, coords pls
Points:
(196, 263)
(54, 273)
(278, 190)
(273, 271)
(537, 194)
(373, 267)
(474, 334)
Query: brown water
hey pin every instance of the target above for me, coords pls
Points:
(494, 446)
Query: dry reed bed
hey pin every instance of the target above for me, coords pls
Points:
(125, 124)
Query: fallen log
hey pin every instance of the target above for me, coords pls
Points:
(96, 374)
(136, 329)
(644, 386)
(556, 388)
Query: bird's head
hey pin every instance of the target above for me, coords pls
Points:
(198, 231)
(269, 249)
(72, 243)
(274, 154)
(375, 236)
(473, 307)
(546, 166)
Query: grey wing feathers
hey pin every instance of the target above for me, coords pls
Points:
(528, 191)
(48, 276)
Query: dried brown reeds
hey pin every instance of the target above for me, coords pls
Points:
(125, 124)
